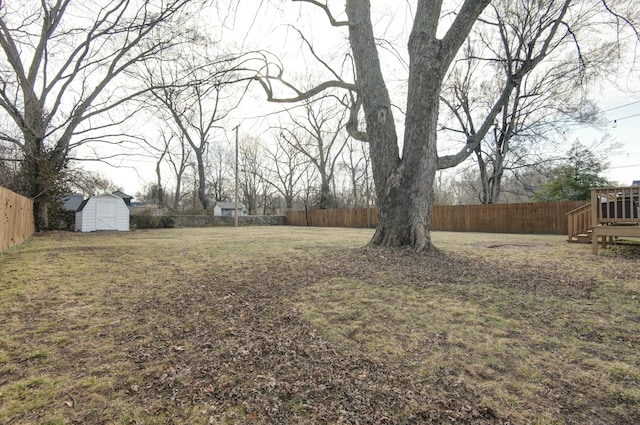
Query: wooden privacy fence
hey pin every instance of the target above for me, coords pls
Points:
(538, 217)
(16, 218)
(343, 217)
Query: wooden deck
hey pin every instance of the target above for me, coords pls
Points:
(613, 212)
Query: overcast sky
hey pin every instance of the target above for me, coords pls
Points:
(267, 28)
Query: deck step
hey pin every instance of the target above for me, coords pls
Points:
(582, 237)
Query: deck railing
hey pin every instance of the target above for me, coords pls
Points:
(615, 205)
(579, 222)
(615, 212)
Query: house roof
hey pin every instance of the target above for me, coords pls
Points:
(229, 205)
(122, 195)
(72, 202)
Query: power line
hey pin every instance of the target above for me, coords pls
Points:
(629, 116)
(621, 106)
(627, 154)
(624, 166)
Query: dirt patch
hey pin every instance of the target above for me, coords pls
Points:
(515, 245)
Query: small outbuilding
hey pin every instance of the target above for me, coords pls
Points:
(102, 212)
(228, 209)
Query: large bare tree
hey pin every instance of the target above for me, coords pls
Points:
(221, 171)
(195, 96)
(179, 162)
(252, 170)
(544, 103)
(288, 166)
(404, 168)
(318, 134)
(63, 73)
(355, 163)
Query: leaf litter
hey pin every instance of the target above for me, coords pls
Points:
(236, 345)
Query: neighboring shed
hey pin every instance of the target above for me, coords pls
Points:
(102, 212)
(228, 208)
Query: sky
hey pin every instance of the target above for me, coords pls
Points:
(265, 28)
(621, 109)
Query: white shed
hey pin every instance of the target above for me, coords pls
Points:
(228, 209)
(102, 212)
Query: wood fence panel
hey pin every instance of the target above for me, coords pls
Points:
(16, 218)
(296, 218)
(526, 218)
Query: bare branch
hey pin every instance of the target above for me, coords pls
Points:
(315, 55)
(300, 94)
(353, 123)
(621, 18)
(266, 77)
(464, 21)
(326, 10)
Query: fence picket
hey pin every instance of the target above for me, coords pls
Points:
(16, 218)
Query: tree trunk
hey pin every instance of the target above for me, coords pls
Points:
(178, 193)
(202, 182)
(326, 198)
(381, 132)
(159, 189)
(42, 176)
(502, 150)
(496, 184)
(404, 186)
(406, 201)
(484, 178)
(34, 185)
(404, 214)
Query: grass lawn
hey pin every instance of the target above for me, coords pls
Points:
(291, 325)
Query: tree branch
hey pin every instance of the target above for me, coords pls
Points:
(464, 21)
(624, 19)
(327, 12)
(352, 125)
(300, 94)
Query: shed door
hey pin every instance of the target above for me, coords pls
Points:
(106, 214)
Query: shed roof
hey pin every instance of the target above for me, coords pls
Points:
(104, 195)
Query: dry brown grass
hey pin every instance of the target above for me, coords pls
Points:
(302, 325)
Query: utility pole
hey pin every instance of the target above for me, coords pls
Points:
(236, 204)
